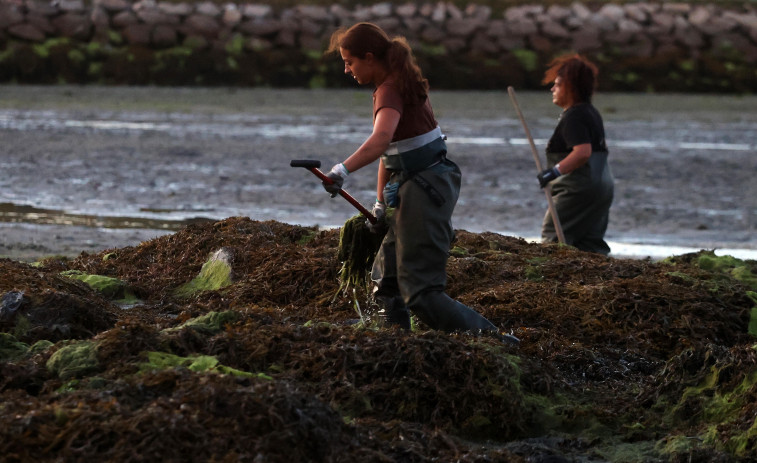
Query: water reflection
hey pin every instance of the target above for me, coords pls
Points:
(17, 213)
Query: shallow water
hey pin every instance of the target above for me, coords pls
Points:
(153, 158)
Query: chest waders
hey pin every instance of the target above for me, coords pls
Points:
(410, 268)
(582, 199)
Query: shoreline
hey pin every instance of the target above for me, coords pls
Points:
(28, 242)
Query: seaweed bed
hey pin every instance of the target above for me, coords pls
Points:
(158, 352)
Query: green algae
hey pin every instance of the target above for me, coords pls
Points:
(196, 363)
(210, 323)
(753, 315)
(11, 348)
(112, 288)
(215, 274)
(741, 270)
(74, 360)
(717, 413)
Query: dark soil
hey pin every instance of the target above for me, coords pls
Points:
(620, 360)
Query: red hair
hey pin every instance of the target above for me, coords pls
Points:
(578, 76)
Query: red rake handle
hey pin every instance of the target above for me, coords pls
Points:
(313, 166)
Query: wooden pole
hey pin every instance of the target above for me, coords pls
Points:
(547, 189)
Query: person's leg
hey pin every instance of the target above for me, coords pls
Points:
(386, 294)
(423, 235)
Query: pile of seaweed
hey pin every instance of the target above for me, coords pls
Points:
(236, 341)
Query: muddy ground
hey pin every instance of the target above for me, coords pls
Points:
(94, 167)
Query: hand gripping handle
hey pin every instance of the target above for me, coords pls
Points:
(313, 166)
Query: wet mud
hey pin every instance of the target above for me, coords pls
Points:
(621, 359)
(95, 167)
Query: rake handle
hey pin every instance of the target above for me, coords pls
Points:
(313, 166)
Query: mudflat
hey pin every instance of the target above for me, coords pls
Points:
(92, 168)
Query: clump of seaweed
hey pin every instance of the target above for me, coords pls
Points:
(620, 359)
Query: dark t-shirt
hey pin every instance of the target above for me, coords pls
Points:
(578, 124)
(415, 118)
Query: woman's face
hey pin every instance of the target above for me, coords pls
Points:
(560, 95)
(361, 69)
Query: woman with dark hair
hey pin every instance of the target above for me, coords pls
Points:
(578, 171)
(414, 176)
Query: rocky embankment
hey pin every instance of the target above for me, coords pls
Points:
(639, 46)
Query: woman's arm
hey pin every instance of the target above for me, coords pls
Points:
(578, 156)
(377, 143)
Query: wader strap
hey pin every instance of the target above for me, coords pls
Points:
(432, 192)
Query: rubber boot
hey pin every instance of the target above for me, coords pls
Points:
(393, 312)
(441, 312)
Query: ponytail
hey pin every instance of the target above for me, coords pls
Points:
(401, 61)
(395, 53)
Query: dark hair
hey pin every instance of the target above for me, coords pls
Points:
(578, 75)
(394, 52)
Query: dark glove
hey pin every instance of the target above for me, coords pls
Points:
(336, 175)
(548, 175)
(379, 211)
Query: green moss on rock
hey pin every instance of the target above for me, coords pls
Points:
(75, 360)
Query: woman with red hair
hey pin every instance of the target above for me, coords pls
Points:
(415, 177)
(578, 171)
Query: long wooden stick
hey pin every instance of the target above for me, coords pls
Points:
(548, 188)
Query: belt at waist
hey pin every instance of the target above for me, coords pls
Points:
(417, 153)
(554, 158)
(410, 144)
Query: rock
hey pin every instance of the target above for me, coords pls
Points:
(636, 12)
(201, 24)
(558, 13)
(554, 29)
(73, 25)
(41, 23)
(99, 17)
(27, 32)
(10, 15)
(176, 9)
(164, 36)
(208, 9)
(42, 8)
(381, 10)
(231, 16)
(261, 27)
(408, 10)
(124, 19)
(463, 27)
(480, 12)
(155, 16)
(524, 27)
(137, 34)
(612, 12)
(10, 304)
(71, 6)
(113, 5)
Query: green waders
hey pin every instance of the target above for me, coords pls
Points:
(582, 199)
(410, 269)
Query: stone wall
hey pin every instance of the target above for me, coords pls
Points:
(638, 46)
